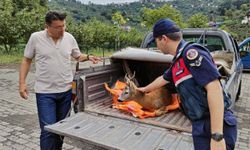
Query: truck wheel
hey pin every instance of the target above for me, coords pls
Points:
(238, 92)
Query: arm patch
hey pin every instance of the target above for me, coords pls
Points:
(192, 54)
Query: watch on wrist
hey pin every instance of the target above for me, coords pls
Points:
(88, 55)
(217, 136)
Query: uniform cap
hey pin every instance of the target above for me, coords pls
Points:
(164, 26)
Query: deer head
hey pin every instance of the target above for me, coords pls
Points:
(129, 92)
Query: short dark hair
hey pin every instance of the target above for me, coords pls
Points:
(54, 15)
(176, 36)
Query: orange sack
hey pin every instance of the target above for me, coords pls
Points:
(133, 107)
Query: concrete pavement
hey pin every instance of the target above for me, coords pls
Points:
(19, 127)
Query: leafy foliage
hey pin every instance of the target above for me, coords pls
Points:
(232, 22)
(150, 16)
(118, 18)
(99, 35)
(81, 12)
(8, 35)
(226, 13)
(18, 19)
(191, 7)
(198, 21)
(116, 25)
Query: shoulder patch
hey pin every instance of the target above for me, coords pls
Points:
(192, 54)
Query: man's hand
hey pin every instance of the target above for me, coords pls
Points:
(23, 91)
(94, 59)
(157, 83)
(142, 89)
(221, 145)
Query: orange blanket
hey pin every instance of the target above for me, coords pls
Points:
(133, 107)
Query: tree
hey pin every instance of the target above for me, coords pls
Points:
(18, 19)
(232, 22)
(28, 4)
(31, 21)
(198, 21)
(44, 3)
(150, 16)
(118, 21)
(93, 34)
(9, 34)
(118, 18)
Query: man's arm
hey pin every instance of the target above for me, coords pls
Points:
(157, 83)
(85, 57)
(24, 69)
(82, 57)
(216, 108)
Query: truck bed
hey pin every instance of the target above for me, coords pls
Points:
(98, 100)
(172, 120)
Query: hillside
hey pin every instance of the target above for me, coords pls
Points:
(230, 13)
(132, 11)
(82, 12)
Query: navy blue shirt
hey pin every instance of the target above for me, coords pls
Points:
(200, 64)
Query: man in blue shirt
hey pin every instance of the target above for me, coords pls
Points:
(197, 82)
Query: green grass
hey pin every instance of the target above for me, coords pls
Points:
(10, 59)
(100, 53)
(16, 58)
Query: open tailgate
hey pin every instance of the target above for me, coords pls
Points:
(114, 133)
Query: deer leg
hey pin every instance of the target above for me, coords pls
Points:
(174, 104)
(160, 111)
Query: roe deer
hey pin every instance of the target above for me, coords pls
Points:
(156, 100)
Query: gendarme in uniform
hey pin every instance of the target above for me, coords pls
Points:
(192, 71)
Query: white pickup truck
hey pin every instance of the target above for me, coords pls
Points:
(100, 126)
